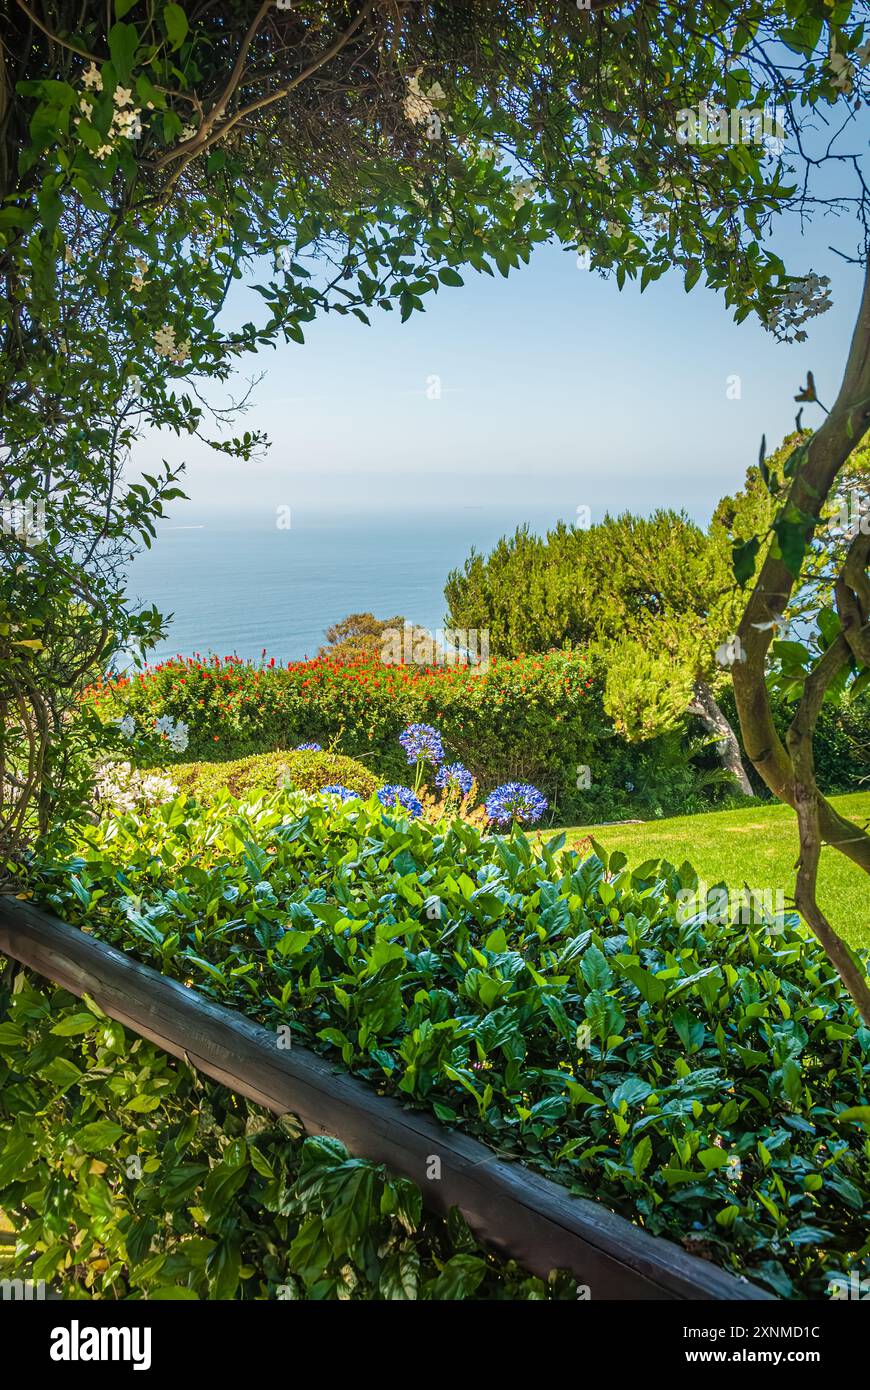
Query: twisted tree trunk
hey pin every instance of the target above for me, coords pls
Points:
(705, 708)
(789, 771)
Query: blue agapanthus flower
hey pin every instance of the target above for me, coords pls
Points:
(455, 778)
(515, 801)
(308, 748)
(422, 742)
(344, 793)
(392, 796)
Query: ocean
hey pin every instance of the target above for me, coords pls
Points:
(234, 585)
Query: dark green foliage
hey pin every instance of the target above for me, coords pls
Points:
(841, 745)
(709, 1080)
(124, 1175)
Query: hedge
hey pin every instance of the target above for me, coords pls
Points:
(535, 719)
(707, 1078)
(308, 771)
(124, 1174)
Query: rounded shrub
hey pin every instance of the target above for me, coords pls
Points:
(266, 772)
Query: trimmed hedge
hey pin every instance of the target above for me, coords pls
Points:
(707, 1078)
(536, 719)
(307, 771)
(124, 1174)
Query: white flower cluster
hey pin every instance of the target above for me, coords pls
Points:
(166, 346)
(126, 120)
(522, 190)
(842, 69)
(488, 151)
(175, 732)
(419, 106)
(122, 787)
(808, 297)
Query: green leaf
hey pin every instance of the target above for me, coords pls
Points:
(99, 1135)
(743, 557)
(176, 24)
(123, 42)
(76, 1023)
(641, 1156)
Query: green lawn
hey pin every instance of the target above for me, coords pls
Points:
(756, 847)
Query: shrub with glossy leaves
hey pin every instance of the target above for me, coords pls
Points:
(709, 1079)
(123, 1174)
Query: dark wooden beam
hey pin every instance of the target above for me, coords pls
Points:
(512, 1209)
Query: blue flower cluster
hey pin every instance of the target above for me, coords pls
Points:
(392, 796)
(455, 778)
(344, 793)
(308, 748)
(515, 801)
(422, 743)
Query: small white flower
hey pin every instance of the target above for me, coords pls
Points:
(102, 152)
(187, 132)
(176, 733)
(419, 105)
(127, 725)
(522, 190)
(138, 283)
(93, 78)
(122, 96)
(87, 108)
(164, 341)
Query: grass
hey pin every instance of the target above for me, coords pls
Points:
(755, 848)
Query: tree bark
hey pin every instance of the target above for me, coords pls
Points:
(705, 708)
(790, 772)
(827, 453)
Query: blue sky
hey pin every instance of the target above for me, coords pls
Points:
(557, 390)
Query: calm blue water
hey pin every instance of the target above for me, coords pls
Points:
(235, 585)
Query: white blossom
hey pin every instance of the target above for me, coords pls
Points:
(121, 787)
(522, 190)
(807, 298)
(93, 78)
(843, 69)
(175, 732)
